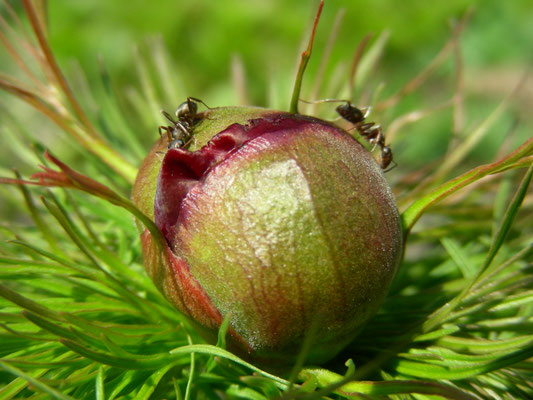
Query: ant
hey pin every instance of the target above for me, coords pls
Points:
(369, 130)
(179, 133)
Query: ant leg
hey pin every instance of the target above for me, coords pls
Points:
(366, 111)
(377, 138)
(165, 130)
(364, 129)
(380, 140)
(188, 142)
(325, 101)
(189, 99)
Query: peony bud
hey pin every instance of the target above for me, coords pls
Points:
(282, 222)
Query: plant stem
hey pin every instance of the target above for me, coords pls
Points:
(303, 64)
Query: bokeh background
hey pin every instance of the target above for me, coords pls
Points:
(126, 60)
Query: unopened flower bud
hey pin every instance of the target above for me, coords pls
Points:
(282, 222)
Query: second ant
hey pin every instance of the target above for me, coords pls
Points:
(179, 134)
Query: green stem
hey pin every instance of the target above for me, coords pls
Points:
(303, 64)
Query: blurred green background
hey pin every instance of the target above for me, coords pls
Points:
(106, 40)
(204, 36)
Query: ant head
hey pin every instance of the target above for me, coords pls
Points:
(350, 113)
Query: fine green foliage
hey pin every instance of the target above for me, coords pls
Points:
(80, 319)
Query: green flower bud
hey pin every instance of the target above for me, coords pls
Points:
(282, 222)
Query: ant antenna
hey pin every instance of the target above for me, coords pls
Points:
(167, 116)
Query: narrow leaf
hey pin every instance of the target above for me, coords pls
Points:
(100, 393)
(120, 362)
(327, 379)
(151, 383)
(34, 382)
(216, 351)
(411, 215)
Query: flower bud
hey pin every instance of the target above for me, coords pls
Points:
(283, 223)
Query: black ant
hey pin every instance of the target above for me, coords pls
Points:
(370, 131)
(179, 133)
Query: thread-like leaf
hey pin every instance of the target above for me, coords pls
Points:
(218, 352)
(387, 388)
(415, 211)
(34, 382)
